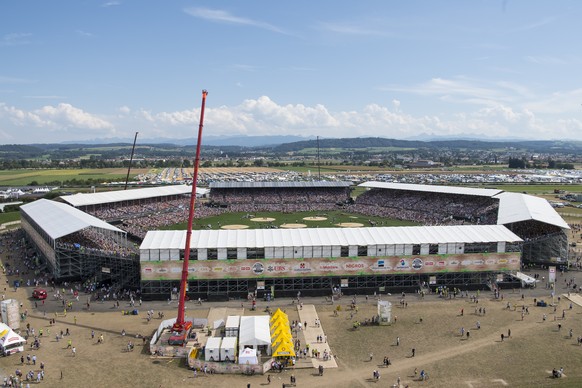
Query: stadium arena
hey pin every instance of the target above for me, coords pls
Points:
(467, 238)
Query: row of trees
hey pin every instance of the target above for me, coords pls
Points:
(550, 164)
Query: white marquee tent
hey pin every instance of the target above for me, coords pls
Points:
(248, 356)
(254, 333)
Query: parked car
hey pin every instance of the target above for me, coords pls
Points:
(39, 293)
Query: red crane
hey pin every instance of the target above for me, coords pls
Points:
(181, 326)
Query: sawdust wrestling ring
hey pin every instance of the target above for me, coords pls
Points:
(350, 225)
(314, 218)
(293, 226)
(263, 219)
(234, 227)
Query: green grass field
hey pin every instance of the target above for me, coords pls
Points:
(333, 217)
(25, 177)
(536, 189)
(9, 217)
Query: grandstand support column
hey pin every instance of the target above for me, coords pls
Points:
(181, 325)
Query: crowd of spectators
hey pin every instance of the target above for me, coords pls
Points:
(427, 208)
(421, 207)
(286, 200)
(98, 242)
(532, 230)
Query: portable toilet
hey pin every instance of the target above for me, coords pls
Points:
(232, 325)
(212, 349)
(10, 310)
(384, 312)
(228, 349)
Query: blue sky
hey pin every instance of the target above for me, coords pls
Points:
(79, 69)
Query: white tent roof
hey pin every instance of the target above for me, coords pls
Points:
(251, 238)
(232, 321)
(247, 355)
(9, 336)
(213, 342)
(59, 219)
(254, 331)
(432, 188)
(513, 207)
(85, 199)
(228, 343)
(516, 207)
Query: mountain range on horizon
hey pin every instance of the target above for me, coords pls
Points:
(265, 141)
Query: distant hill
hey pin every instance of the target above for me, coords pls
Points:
(375, 142)
(275, 146)
(241, 141)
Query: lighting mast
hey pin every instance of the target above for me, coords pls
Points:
(130, 161)
(181, 325)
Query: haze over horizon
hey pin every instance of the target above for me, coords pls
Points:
(77, 71)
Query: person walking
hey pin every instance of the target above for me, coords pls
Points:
(397, 341)
(74, 350)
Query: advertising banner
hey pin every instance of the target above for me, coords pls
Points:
(341, 266)
(552, 274)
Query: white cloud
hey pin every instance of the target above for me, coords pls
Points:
(50, 124)
(464, 90)
(47, 97)
(396, 104)
(546, 60)
(111, 4)
(350, 29)
(66, 115)
(85, 33)
(535, 25)
(13, 80)
(263, 116)
(15, 39)
(220, 16)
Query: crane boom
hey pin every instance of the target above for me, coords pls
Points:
(181, 325)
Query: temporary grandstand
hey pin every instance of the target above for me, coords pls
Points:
(542, 228)
(232, 263)
(459, 223)
(78, 246)
(532, 218)
(285, 197)
(89, 202)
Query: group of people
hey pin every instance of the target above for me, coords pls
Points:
(427, 207)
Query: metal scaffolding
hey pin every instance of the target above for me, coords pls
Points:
(313, 286)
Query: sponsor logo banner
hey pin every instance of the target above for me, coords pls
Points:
(273, 268)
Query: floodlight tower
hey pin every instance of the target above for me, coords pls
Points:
(181, 325)
(130, 161)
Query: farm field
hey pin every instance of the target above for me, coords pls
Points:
(25, 177)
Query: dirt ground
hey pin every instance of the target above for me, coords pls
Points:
(430, 325)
